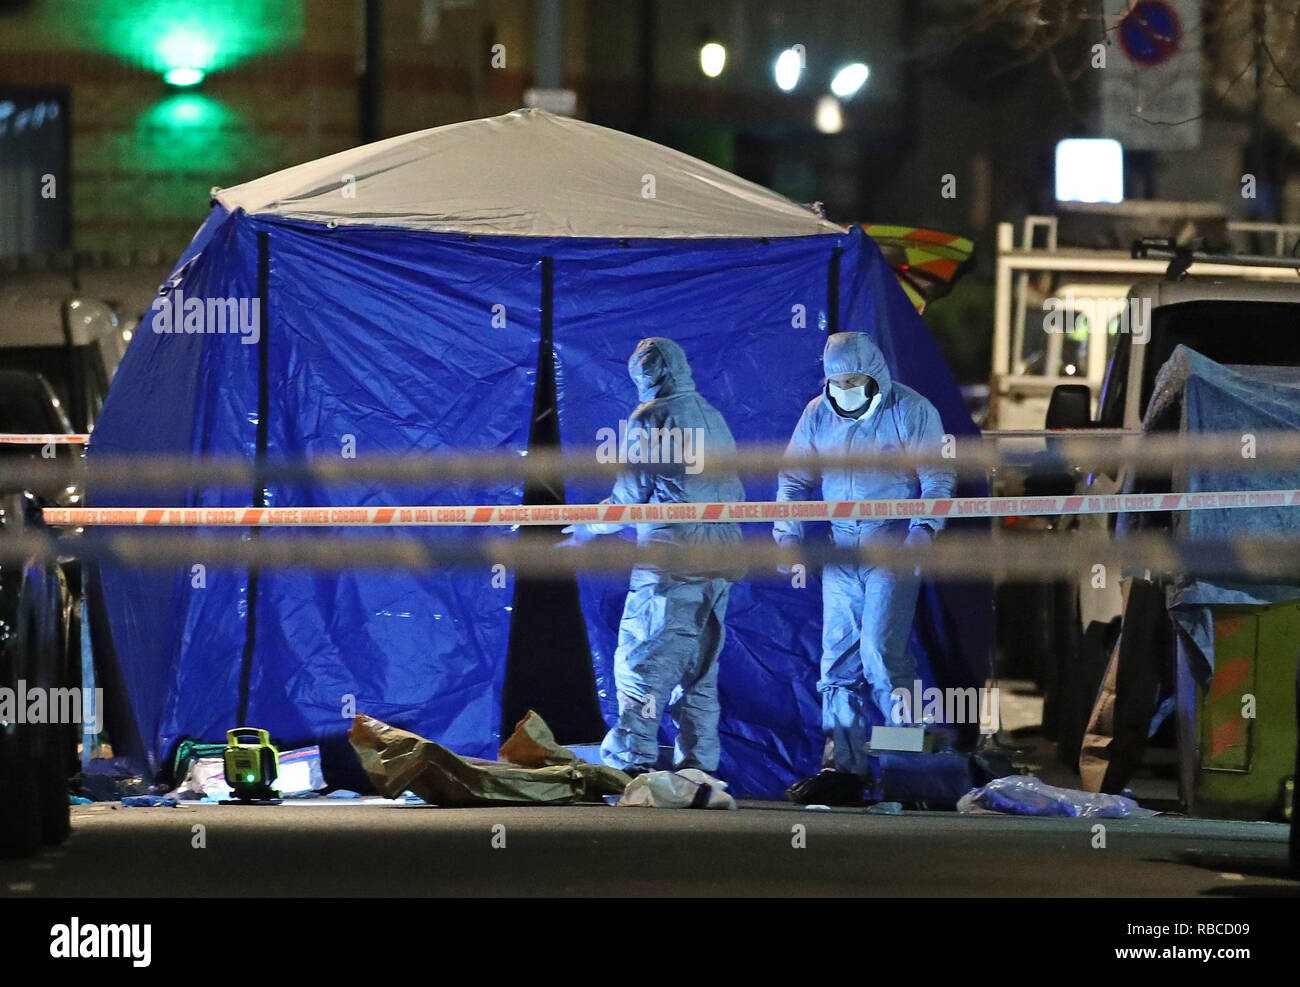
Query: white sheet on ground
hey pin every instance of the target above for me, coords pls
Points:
(689, 788)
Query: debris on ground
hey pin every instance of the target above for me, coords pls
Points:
(689, 788)
(149, 802)
(204, 777)
(533, 768)
(885, 809)
(1025, 795)
(107, 788)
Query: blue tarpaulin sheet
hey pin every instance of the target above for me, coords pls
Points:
(1213, 398)
(385, 341)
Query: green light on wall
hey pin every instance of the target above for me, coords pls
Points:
(182, 48)
(184, 110)
(199, 142)
(165, 35)
(183, 78)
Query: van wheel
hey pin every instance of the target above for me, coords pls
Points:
(20, 791)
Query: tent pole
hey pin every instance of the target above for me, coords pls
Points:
(645, 68)
(259, 489)
(833, 292)
(549, 44)
(370, 78)
(548, 658)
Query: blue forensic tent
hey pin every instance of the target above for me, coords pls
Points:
(403, 293)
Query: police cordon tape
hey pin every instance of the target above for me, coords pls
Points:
(968, 457)
(955, 555)
(681, 513)
(43, 439)
(82, 438)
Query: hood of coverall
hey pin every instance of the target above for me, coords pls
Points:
(855, 353)
(658, 368)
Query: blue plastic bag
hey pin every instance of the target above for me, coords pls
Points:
(1025, 795)
(149, 801)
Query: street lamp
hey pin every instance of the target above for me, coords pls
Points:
(828, 119)
(849, 80)
(1089, 170)
(713, 57)
(787, 69)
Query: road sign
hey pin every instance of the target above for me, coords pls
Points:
(1151, 82)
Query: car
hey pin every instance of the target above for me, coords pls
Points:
(37, 637)
(76, 354)
(36, 758)
(30, 406)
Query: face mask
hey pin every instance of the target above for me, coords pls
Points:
(849, 399)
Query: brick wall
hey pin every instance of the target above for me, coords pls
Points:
(144, 157)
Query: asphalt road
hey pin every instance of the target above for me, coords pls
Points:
(336, 848)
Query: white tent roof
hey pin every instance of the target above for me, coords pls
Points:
(527, 173)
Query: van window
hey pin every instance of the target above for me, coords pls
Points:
(1063, 354)
(1111, 408)
(28, 405)
(1260, 334)
(77, 377)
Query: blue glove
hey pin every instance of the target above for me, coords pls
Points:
(579, 534)
(919, 534)
(787, 541)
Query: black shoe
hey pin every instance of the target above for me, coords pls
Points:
(828, 787)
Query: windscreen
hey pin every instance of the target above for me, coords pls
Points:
(1253, 334)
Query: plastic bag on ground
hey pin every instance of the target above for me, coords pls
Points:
(206, 778)
(689, 788)
(532, 745)
(149, 802)
(1025, 795)
(300, 772)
